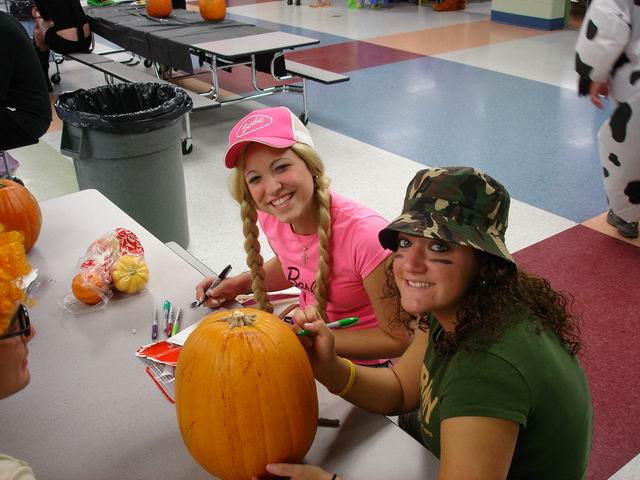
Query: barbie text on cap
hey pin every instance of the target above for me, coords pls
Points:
(276, 127)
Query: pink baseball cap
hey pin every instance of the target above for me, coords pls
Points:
(276, 127)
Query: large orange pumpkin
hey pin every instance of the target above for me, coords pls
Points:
(159, 8)
(19, 210)
(213, 9)
(245, 394)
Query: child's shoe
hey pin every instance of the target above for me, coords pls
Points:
(626, 229)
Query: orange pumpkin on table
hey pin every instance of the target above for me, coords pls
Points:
(88, 288)
(214, 10)
(159, 8)
(245, 394)
(19, 210)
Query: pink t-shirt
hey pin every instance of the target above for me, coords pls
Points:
(355, 252)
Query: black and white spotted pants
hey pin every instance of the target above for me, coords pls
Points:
(619, 146)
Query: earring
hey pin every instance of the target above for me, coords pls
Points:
(422, 320)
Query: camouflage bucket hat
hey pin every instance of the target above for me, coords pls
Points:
(460, 205)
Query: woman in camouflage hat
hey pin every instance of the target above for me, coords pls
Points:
(15, 333)
(492, 370)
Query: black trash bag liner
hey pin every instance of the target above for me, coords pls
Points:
(124, 107)
(21, 9)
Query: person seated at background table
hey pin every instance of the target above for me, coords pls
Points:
(324, 243)
(450, 5)
(15, 333)
(61, 26)
(493, 365)
(25, 108)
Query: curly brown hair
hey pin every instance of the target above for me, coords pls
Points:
(499, 289)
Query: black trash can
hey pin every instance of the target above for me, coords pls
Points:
(125, 141)
(21, 9)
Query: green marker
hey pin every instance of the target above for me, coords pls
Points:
(176, 324)
(343, 323)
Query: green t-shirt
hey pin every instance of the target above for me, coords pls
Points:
(525, 376)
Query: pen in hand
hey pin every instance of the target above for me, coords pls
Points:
(215, 283)
(342, 323)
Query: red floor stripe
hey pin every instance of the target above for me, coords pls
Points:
(603, 275)
(350, 56)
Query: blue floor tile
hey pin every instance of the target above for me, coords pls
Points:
(536, 138)
(325, 38)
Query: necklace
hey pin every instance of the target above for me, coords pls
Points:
(305, 247)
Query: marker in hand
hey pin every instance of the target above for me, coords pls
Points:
(215, 283)
(343, 323)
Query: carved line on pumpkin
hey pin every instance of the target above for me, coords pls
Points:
(188, 434)
(306, 389)
(294, 417)
(295, 435)
(187, 371)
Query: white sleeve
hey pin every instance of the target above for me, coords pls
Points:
(605, 33)
(12, 469)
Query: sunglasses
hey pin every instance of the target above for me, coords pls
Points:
(24, 325)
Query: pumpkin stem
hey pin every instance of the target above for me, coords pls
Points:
(240, 319)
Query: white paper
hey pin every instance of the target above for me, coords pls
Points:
(180, 338)
(28, 279)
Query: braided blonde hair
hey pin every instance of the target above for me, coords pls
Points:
(240, 192)
(249, 216)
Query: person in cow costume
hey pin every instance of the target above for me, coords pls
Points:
(608, 62)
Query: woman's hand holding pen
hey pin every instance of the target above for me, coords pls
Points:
(228, 289)
(320, 345)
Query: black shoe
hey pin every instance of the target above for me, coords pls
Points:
(626, 229)
(298, 2)
(289, 2)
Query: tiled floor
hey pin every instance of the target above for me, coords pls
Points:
(433, 88)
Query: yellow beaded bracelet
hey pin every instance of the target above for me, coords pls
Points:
(352, 378)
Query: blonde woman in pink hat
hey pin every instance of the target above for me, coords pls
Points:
(324, 244)
(15, 332)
